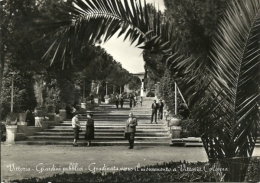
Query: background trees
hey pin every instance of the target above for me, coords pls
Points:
(22, 50)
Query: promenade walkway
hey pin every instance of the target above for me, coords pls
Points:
(35, 157)
(24, 161)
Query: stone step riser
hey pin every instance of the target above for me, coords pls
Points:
(119, 111)
(96, 138)
(126, 109)
(113, 123)
(101, 143)
(111, 119)
(83, 143)
(123, 118)
(107, 114)
(106, 134)
(101, 128)
(110, 131)
(144, 124)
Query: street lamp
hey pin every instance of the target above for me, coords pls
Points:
(84, 87)
(114, 85)
(158, 87)
(12, 92)
(106, 87)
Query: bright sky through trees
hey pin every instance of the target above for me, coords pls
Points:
(130, 56)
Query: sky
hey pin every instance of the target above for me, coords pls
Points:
(128, 55)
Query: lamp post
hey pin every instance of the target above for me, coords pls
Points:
(92, 86)
(12, 92)
(84, 87)
(106, 88)
(114, 86)
(142, 88)
(158, 87)
(176, 93)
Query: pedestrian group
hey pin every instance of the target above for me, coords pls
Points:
(130, 126)
(90, 130)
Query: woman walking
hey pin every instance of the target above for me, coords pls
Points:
(89, 129)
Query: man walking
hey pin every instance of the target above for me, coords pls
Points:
(121, 101)
(130, 129)
(154, 111)
(76, 128)
(117, 101)
(161, 105)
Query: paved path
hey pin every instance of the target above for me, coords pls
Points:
(28, 157)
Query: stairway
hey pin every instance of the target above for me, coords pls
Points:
(109, 128)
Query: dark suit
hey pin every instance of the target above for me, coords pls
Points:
(90, 130)
(121, 102)
(130, 129)
(154, 111)
(117, 102)
(161, 105)
(131, 102)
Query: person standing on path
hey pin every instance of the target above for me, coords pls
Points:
(121, 101)
(154, 111)
(141, 101)
(134, 98)
(184, 111)
(117, 101)
(130, 102)
(130, 129)
(90, 130)
(161, 105)
(76, 128)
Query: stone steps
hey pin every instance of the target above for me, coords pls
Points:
(109, 128)
(95, 143)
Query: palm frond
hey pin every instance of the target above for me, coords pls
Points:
(83, 22)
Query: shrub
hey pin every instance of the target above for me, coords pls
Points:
(3, 132)
(189, 128)
(150, 94)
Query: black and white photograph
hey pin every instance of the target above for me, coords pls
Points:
(130, 91)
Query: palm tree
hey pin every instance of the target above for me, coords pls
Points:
(223, 89)
(227, 104)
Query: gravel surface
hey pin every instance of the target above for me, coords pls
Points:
(23, 161)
